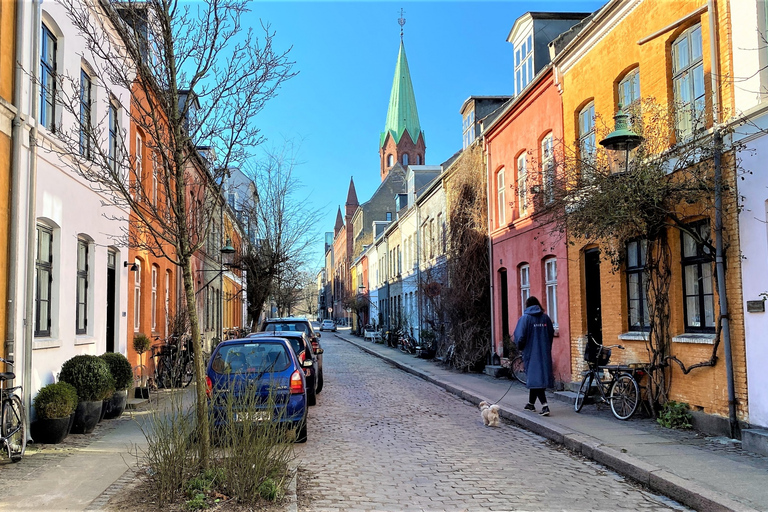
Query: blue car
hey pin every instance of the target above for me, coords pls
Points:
(265, 366)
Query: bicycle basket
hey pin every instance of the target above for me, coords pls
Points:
(596, 354)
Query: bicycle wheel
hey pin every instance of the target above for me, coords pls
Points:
(188, 373)
(165, 374)
(581, 396)
(518, 369)
(14, 427)
(625, 395)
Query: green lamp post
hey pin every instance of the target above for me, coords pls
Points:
(622, 138)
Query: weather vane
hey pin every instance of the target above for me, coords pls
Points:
(401, 21)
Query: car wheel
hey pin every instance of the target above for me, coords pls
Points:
(301, 436)
(319, 383)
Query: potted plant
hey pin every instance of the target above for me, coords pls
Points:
(91, 378)
(54, 404)
(121, 371)
(141, 344)
(106, 396)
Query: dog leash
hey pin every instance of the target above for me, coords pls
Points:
(505, 393)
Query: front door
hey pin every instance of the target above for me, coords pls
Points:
(111, 257)
(592, 294)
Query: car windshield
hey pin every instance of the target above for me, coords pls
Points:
(250, 357)
(286, 326)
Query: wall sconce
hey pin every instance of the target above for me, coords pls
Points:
(133, 268)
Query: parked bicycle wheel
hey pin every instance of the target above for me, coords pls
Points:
(581, 396)
(188, 372)
(14, 427)
(518, 369)
(625, 395)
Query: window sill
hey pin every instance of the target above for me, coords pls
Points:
(703, 337)
(43, 343)
(634, 336)
(85, 340)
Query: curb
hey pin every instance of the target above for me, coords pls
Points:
(690, 494)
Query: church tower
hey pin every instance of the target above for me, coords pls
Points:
(402, 140)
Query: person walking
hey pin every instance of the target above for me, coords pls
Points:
(533, 335)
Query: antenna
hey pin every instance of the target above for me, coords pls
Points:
(401, 22)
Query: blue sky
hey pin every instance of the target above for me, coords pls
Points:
(345, 53)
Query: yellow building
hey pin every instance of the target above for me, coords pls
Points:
(674, 53)
(7, 112)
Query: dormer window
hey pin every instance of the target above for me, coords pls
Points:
(523, 64)
(469, 129)
(405, 159)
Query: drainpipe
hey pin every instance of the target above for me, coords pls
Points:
(31, 210)
(419, 290)
(487, 154)
(720, 269)
(715, 72)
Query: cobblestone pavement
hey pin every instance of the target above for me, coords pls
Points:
(382, 439)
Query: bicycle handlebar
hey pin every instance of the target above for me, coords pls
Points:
(6, 361)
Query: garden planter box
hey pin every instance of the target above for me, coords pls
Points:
(50, 431)
(116, 405)
(87, 416)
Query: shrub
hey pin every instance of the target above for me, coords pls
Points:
(675, 415)
(89, 375)
(120, 368)
(53, 401)
(141, 343)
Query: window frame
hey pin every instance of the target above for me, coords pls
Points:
(637, 251)
(524, 275)
(153, 299)
(137, 297)
(81, 295)
(48, 72)
(550, 286)
(548, 168)
(139, 167)
(698, 262)
(687, 113)
(523, 64)
(114, 133)
(587, 136)
(43, 267)
(86, 118)
(632, 78)
(522, 184)
(501, 198)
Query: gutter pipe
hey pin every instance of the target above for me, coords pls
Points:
(487, 155)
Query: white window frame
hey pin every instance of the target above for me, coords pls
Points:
(153, 300)
(86, 113)
(522, 185)
(83, 277)
(167, 300)
(139, 167)
(548, 168)
(587, 143)
(687, 77)
(137, 297)
(629, 89)
(550, 282)
(154, 179)
(525, 285)
(500, 199)
(524, 64)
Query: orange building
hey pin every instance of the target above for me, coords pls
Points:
(7, 68)
(676, 53)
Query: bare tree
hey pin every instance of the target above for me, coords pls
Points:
(284, 228)
(197, 80)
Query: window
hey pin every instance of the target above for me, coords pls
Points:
(139, 167)
(114, 131)
(548, 169)
(154, 178)
(525, 285)
(500, 201)
(153, 300)
(44, 280)
(389, 216)
(405, 159)
(523, 65)
(85, 114)
(81, 313)
(688, 81)
(418, 159)
(137, 297)
(48, 80)
(469, 129)
(698, 291)
(167, 299)
(390, 160)
(629, 89)
(522, 185)
(550, 280)
(587, 133)
(637, 299)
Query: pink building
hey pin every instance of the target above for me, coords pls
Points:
(527, 258)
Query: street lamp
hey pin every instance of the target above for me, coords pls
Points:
(622, 138)
(227, 254)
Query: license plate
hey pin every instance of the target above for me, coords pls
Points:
(253, 416)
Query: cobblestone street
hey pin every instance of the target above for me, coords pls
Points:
(381, 439)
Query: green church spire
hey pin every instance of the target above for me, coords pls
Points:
(402, 114)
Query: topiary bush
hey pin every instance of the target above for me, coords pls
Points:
(141, 343)
(54, 401)
(120, 368)
(89, 375)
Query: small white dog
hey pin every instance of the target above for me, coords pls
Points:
(490, 414)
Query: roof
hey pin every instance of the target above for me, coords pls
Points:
(402, 115)
(352, 194)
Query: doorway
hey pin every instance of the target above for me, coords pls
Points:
(504, 308)
(111, 258)
(592, 294)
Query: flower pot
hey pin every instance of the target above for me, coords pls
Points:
(103, 409)
(86, 417)
(141, 393)
(116, 404)
(50, 431)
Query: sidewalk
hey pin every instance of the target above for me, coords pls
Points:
(702, 473)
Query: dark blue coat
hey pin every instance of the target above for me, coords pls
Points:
(533, 335)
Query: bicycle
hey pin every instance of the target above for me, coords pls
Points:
(13, 431)
(517, 369)
(174, 366)
(621, 391)
(407, 344)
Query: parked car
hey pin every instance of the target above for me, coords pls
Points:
(304, 351)
(292, 324)
(328, 325)
(268, 365)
